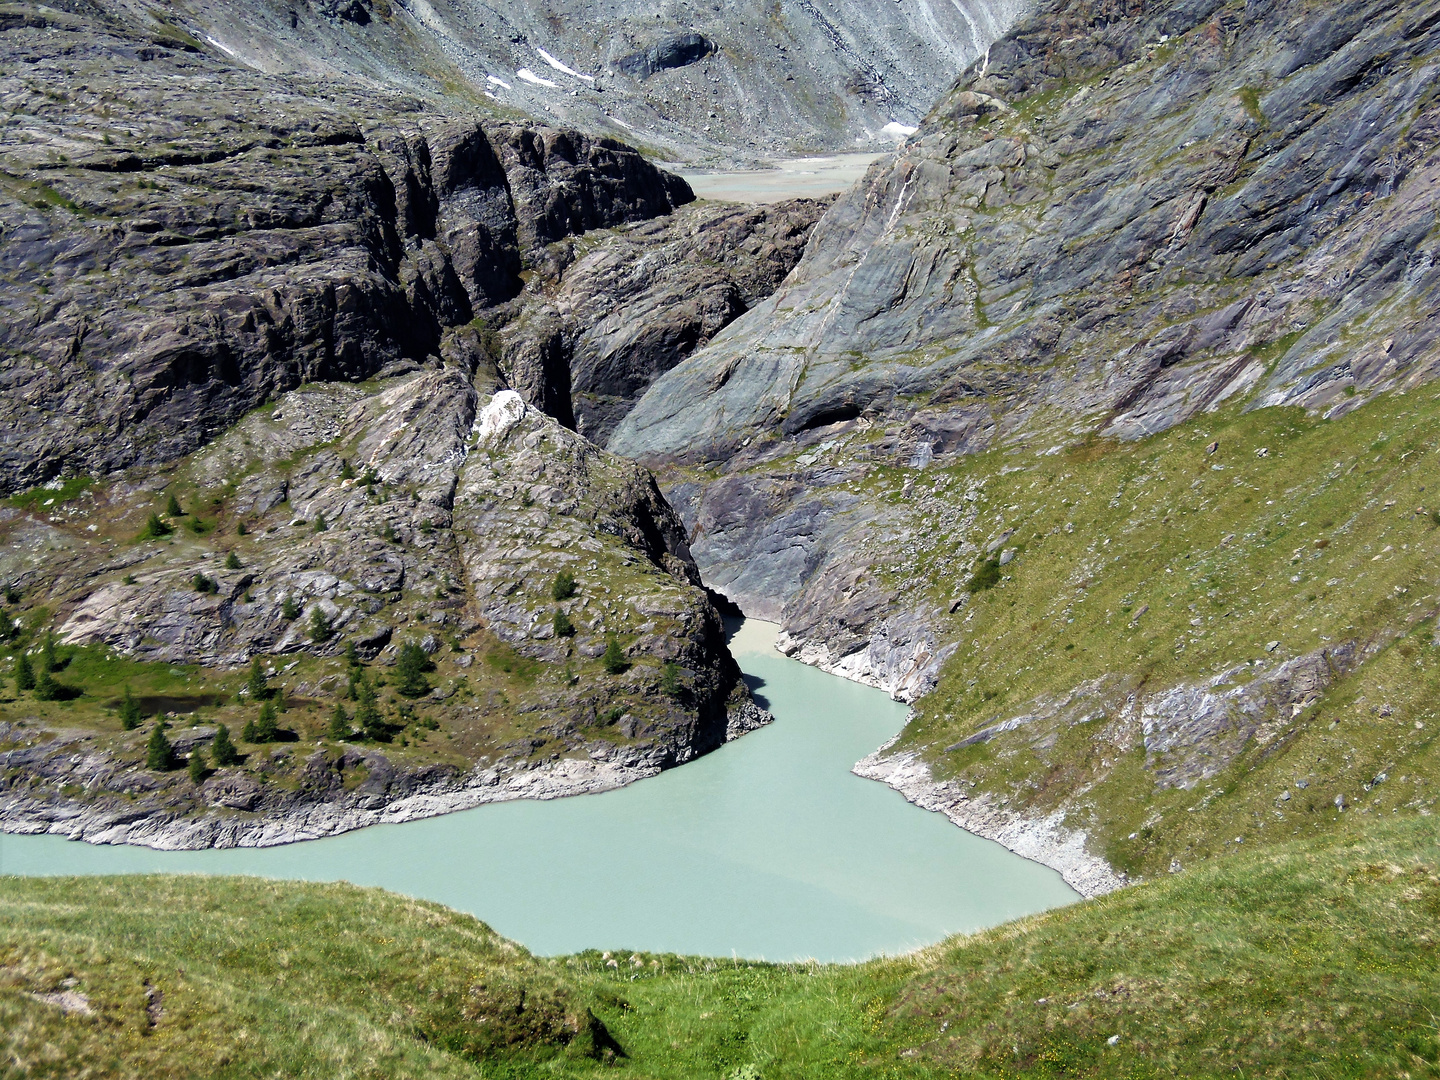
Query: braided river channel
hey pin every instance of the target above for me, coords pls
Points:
(767, 848)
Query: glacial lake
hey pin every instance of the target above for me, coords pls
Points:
(767, 848)
(790, 178)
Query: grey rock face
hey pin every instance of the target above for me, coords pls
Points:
(1108, 226)
(605, 316)
(739, 81)
(221, 237)
(452, 515)
(226, 239)
(1125, 252)
(671, 52)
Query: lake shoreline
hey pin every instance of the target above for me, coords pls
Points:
(161, 829)
(1043, 840)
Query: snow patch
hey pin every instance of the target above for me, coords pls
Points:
(494, 81)
(558, 66)
(529, 76)
(898, 130)
(501, 413)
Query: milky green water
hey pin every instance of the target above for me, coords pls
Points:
(767, 848)
(790, 178)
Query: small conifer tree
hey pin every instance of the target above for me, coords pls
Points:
(247, 733)
(564, 585)
(196, 765)
(562, 624)
(614, 658)
(320, 525)
(223, 749)
(319, 625)
(290, 609)
(24, 673)
(154, 529)
(172, 507)
(241, 530)
(352, 655)
(232, 561)
(46, 688)
(670, 679)
(256, 686)
(265, 729)
(347, 471)
(410, 669)
(367, 713)
(159, 756)
(339, 727)
(130, 715)
(49, 660)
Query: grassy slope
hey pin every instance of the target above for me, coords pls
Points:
(1313, 958)
(1320, 541)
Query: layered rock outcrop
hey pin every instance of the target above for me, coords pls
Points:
(604, 317)
(184, 239)
(240, 322)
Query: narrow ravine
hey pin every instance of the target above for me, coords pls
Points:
(768, 847)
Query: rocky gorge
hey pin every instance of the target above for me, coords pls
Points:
(1014, 429)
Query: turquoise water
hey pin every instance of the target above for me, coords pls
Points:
(767, 848)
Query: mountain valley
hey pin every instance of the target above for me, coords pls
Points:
(376, 406)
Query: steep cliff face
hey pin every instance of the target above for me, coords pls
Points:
(183, 239)
(606, 314)
(1115, 217)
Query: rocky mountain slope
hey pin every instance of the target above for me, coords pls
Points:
(184, 239)
(1112, 227)
(322, 537)
(249, 412)
(694, 81)
(606, 314)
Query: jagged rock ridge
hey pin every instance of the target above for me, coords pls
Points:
(184, 239)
